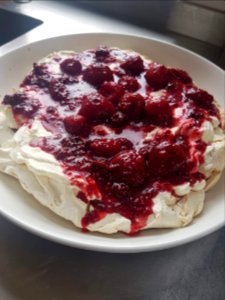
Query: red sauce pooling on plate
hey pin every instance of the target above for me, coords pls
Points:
(100, 106)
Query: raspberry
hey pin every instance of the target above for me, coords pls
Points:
(180, 75)
(96, 74)
(129, 83)
(71, 147)
(22, 105)
(100, 170)
(43, 81)
(81, 162)
(40, 76)
(99, 205)
(128, 167)
(142, 204)
(75, 124)
(71, 66)
(109, 147)
(119, 72)
(101, 53)
(100, 130)
(175, 87)
(58, 91)
(27, 109)
(159, 113)
(166, 155)
(195, 113)
(40, 69)
(68, 79)
(43, 76)
(52, 110)
(112, 91)
(14, 100)
(133, 65)
(203, 100)
(157, 76)
(200, 97)
(120, 190)
(118, 119)
(96, 108)
(132, 105)
(29, 80)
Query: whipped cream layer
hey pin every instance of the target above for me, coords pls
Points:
(43, 176)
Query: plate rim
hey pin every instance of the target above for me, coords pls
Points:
(114, 34)
(111, 249)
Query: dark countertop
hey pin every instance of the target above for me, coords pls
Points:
(32, 268)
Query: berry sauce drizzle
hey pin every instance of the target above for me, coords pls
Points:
(110, 113)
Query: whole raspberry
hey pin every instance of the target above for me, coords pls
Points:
(112, 91)
(157, 76)
(180, 75)
(128, 167)
(159, 113)
(166, 154)
(58, 90)
(132, 105)
(133, 65)
(96, 108)
(71, 66)
(118, 119)
(75, 124)
(109, 147)
(101, 53)
(96, 74)
(129, 83)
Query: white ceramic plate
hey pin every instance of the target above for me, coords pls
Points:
(25, 211)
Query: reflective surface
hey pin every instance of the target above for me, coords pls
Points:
(196, 27)
(13, 25)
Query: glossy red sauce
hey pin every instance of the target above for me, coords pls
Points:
(100, 105)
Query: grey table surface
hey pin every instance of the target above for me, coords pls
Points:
(32, 268)
(35, 269)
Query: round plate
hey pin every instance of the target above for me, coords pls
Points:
(25, 211)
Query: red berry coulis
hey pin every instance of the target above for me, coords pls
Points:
(110, 113)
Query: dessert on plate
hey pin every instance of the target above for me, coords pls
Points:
(113, 141)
